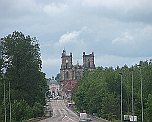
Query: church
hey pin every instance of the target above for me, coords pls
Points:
(70, 74)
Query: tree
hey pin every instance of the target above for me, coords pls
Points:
(148, 111)
(21, 110)
(21, 55)
(1, 83)
(99, 91)
(57, 78)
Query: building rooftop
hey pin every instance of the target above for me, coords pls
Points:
(52, 81)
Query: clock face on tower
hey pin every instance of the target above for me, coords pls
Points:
(66, 61)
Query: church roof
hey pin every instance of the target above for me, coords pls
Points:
(69, 84)
(53, 82)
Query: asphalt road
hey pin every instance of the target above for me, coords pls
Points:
(61, 113)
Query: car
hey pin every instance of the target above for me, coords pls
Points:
(84, 118)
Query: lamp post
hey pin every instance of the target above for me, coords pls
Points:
(132, 95)
(141, 84)
(121, 95)
(4, 101)
(5, 114)
(10, 102)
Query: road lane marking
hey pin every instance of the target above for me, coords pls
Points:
(67, 117)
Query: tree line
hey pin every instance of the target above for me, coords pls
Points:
(20, 71)
(99, 91)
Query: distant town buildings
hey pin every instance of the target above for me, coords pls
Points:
(54, 87)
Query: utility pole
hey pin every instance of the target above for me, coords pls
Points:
(132, 95)
(141, 85)
(4, 100)
(121, 95)
(10, 102)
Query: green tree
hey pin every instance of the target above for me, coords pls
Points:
(37, 109)
(99, 91)
(21, 55)
(148, 110)
(1, 83)
(21, 111)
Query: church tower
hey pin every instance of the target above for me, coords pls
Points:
(70, 72)
(66, 66)
(88, 61)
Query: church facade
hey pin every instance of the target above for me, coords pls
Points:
(70, 72)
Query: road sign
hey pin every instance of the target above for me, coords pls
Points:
(133, 118)
(130, 118)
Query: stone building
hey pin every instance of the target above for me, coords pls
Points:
(69, 72)
(54, 87)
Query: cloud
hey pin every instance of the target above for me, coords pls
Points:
(129, 4)
(69, 37)
(113, 60)
(122, 10)
(72, 37)
(134, 43)
(147, 29)
(117, 30)
(55, 8)
(125, 39)
(18, 8)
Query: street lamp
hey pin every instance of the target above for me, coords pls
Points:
(132, 95)
(10, 101)
(10, 113)
(141, 84)
(121, 95)
(4, 100)
(5, 115)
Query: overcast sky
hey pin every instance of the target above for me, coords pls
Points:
(117, 31)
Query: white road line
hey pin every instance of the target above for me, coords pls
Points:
(67, 117)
